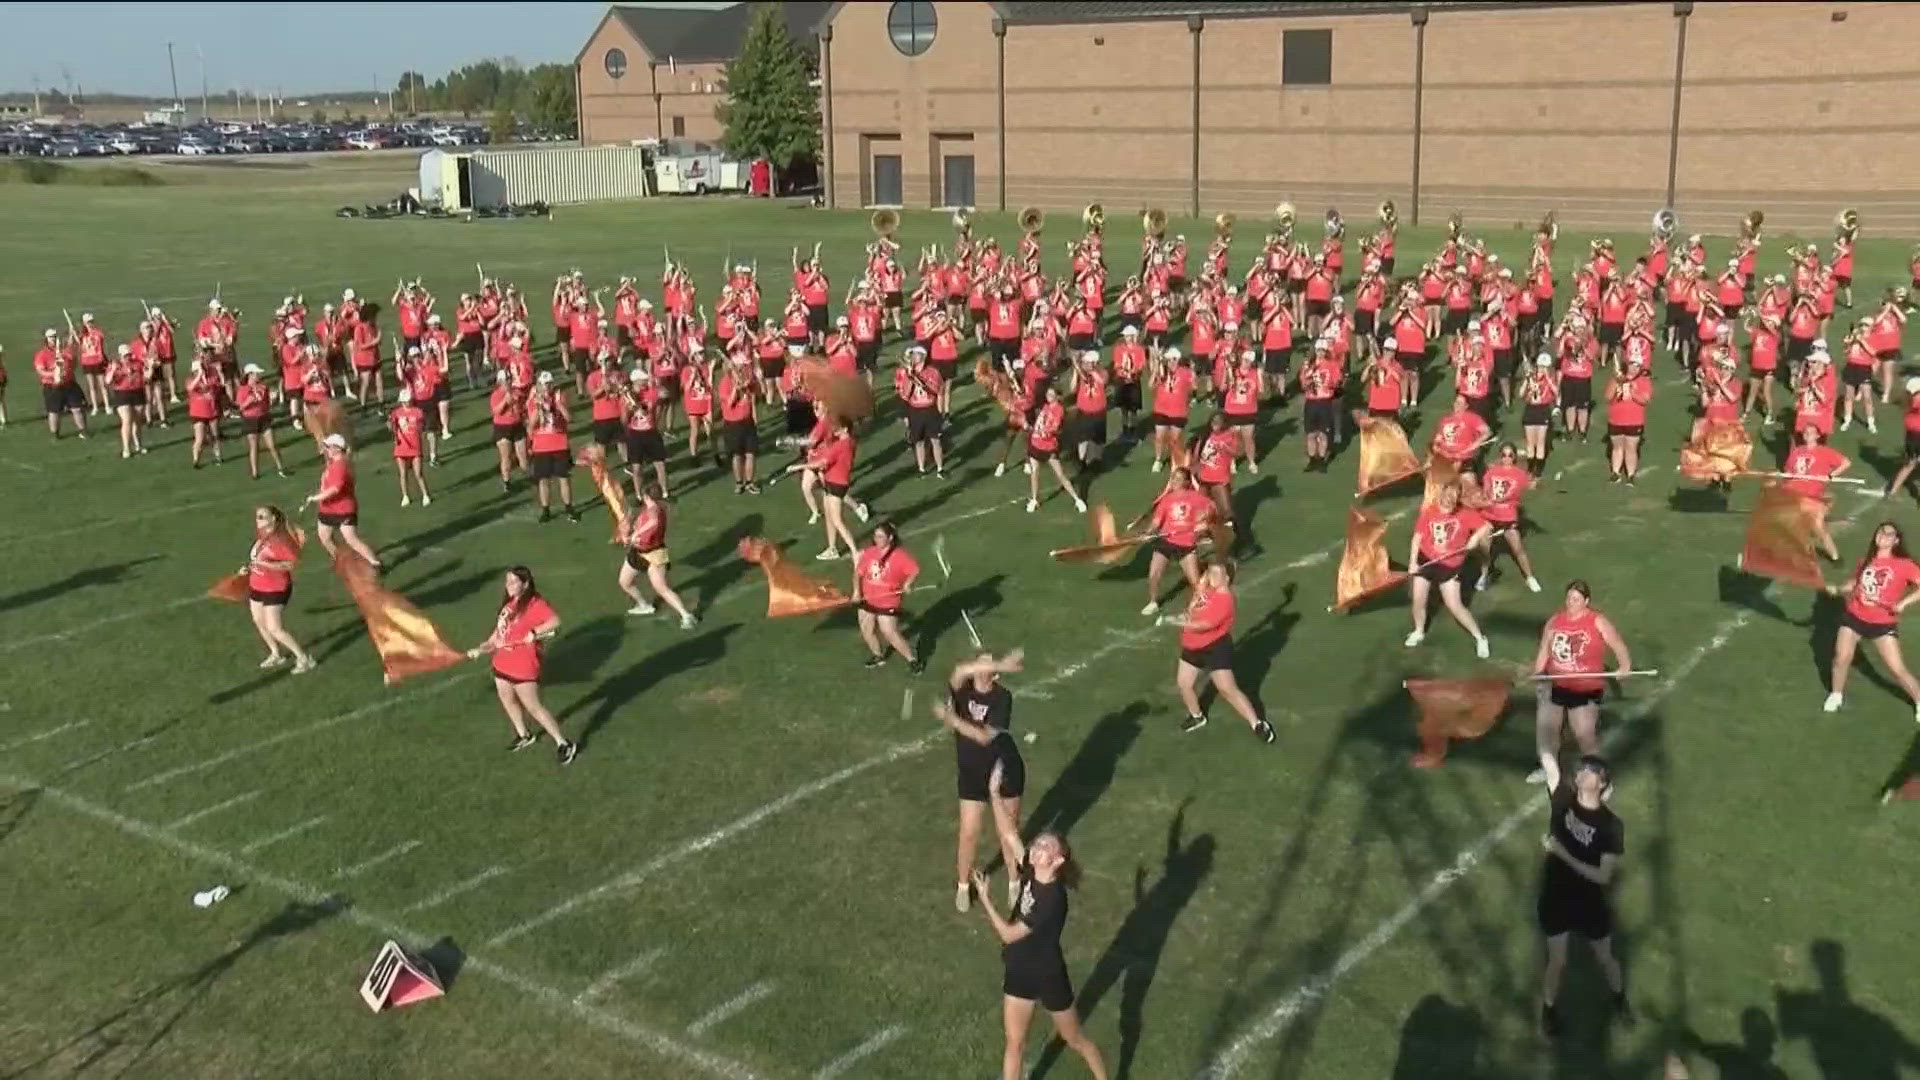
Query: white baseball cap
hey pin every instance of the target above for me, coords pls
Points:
(1129, 331)
(346, 294)
(406, 395)
(335, 440)
(545, 379)
(1172, 354)
(252, 369)
(293, 333)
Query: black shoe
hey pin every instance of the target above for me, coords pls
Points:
(875, 661)
(546, 514)
(753, 488)
(521, 742)
(1264, 731)
(573, 515)
(1193, 723)
(1623, 1010)
(1550, 1021)
(917, 665)
(566, 752)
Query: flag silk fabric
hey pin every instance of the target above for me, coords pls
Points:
(407, 641)
(1107, 546)
(846, 397)
(790, 591)
(594, 459)
(1000, 388)
(1722, 451)
(328, 418)
(1386, 457)
(1364, 569)
(1454, 709)
(1440, 473)
(1780, 534)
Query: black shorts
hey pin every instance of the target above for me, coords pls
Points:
(1913, 445)
(923, 425)
(551, 464)
(1319, 416)
(893, 300)
(1611, 333)
(1364, 322)
(1853, 375)
(1631, 431)
(1841, 280)
(792, 340)
(1412, 361)
(271, 599)
(470, 344)
(1454, 321)
(1003, 350)
(1090, 428)
(1574, 699)
(1569, 912)
(645, 447)
(1174, 552)
(1319, 307)
(866, 355)
(1887, 356)
(255, 425)
(1046, 983)
(509, 433)
(1440, 574)
(879, 612)
(1867, 630)
(1536, 415)
(1503, 363)
(1546, 309)
(1034, 453)
(512, 680)
(607, 432)
(1133, 321)
(408, 344)
(1082, 342)
(1126, 396)
(1797, 349)
(1576, 393)
(1163, 420)
(1276, 361)
(817, 321)
(350, 519)
(1215, 657)
(838, 491)
(1385, 414)
(1482, 407)
(131, 399)
(638, 561)
(442, 392)
(579, 358)
(64, 398)
(1386, 266)
(975, 775)
(742, 437)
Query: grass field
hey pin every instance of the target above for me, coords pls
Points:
(747, 873)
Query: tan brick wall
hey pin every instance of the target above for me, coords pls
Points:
(1524, 110)
(619, 111)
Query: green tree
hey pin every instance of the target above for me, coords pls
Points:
(502, 126)
(411, 93)
(770, 110)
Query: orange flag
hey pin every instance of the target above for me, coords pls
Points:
(1000, 388)
(594, 459)
(1780, 534)
(1108, 546)
(234, 588)
(407, 642)
(1723, 450)
(1364, 569)
(328, 418)
(1385, 456)
(845, 396)
(1454, 709)
(790, 591)
(1441, 473)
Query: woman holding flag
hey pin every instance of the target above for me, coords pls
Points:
(269, 572)
(524, 623)
(647, 554)
(1883, 587)
(1179, 514)
(883, 573)
(1810, 467)
(1443, 535)
(1571, 673)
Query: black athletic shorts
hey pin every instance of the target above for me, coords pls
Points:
(1913, 445)
(509, 433)
(645, 447)
(975, 772)
(1276, 361)
(1631, 431)
(1454, 321)
(1439, 573)
(1163, 420)
(1090, 428)
(1126, 396)
(894, 300)
(1856, 375)
(350, 519)
(1536, 415)
(1080, 343)
(1574, 699)
(1576, 393)
(923, 424)
(866, 355)
(638, 560)
(742, 437)
(817, 320)
(131, 399)
(1482, 407)
(255, 425)
(271, 599)
(551, 464)
(579, 358)
(1566, 911)
(1215, 657)
(1867, 630)
(879, 612)
(607, 432)
(1611, 333)
(1046, 983)
(1318, 415)
(1364, 322)
(838, 491)
(63, 398)
(1034, 453)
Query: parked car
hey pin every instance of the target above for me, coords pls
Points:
(194, 146)
(364, 140)
(124, 144)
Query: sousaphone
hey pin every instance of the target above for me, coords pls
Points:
(1032, 219)
(1154, 222)
(885, 223)
(1094, 217)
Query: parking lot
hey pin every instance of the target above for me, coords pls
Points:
(207, 139)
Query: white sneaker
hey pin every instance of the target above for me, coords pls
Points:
(828, 555)
(1000, 469)
(861, 511)
(640, 609)
(1032, 505)
(1151, 608)
(1482, 648)
(688, 621)
(406, 500)
(1253, 466)
(426, 500)
(813, 518)
(1832, 704)
(1871, 429)
(962, 897)
(1415, 638)
(272, 662)
(301, 667)
(1533, 584)
(1080, 505)
(1156, 465)
(1846, 423)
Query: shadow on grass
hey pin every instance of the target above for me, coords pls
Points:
(1088, 775)
(14, 809)
(1441, 1040)
(945, 613)
(720, 562)
(679, 658)
(109, 574)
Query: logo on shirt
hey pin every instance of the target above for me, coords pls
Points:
(1565, 646)
(1442, 532)
(977, 710)
(1450, 431)
(1873, 583)
(1581, 831)
(1026, 898)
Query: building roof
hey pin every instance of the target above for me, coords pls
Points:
(1099, 11)
(696, 35)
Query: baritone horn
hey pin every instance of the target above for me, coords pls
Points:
(1094, 217)
(1389, 217)
(1031, 220)
(1283, 216)
(1665, 223)
(1750, 225)
(1334, 226)
(1223, 224)
(885, 223)
(1154, 222)
(1846, 223)
(1550, 225)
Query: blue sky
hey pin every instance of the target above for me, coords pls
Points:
(289, 49)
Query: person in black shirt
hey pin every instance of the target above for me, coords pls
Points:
(1584, 842)
(1036, 969)
(992, 776)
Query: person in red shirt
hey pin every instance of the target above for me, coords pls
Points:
(1212, 456)
(644, 446)
(1461, 434)
(646, 542)
(1882, 589)
(1178, 516)
(1240, 398)
(550, 457)
(1043, 448)
(1172, 381)
(1540, 397)
(1088, 382)
(1571, 667)
(1501, 489)
(1320, 379)
(738, 394)
(524, 623)
(126, 378)
(1627, 398)
(206, 397)
(60, 385)
(408, 426)
(506, 408)
(883, 573)
(1857, 364)
(1444, 534)
(269, 571)
(921, 389)
(828, 467)
(339, 508)
(1206, 648)
(252, 399)
(1809, 467)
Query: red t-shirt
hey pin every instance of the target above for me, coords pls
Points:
(406, 423)
(1209, 618)
(517, 655)
(1458, 434)
(884, 574)
(1213, 458)
(1627, 399)
(1575, 647)
(1879, 584)
(1446, 534)
(1503, 486)
(1170, 395)
(1816, 460)
(550, 436)
(1045, 433)
(1178, 516)
(338, 477)
(736, 398)
(649, 529)
(273, 547)
(504, 404)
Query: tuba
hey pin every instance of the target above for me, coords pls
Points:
(1154, 222)
(1334, 226)
(1031, 220)
(1846, 224)
(963, 222)
(1455, 225)
(1389, 217)
(1665, 223)
(1750, 225)
(1223, 225)
(1283, 217)
(884, 223)
(1094, 217)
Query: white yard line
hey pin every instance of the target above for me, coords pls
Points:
(208, 811)
(18, 464)
(75, 631)
(613, 977)
(873, 1045)
(386, 856)
(113, 524)
(270, 741)
(42, 736)
(730, 1008)
(1282, 1014)
(287, 833)
(89, 759)
(458, 888)
(1121, 640)
(560, 1002)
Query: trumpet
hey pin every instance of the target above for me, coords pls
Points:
(1283, 216)
(1223, 224)
(1031, 220)
(1334, 226)
(1094, 217)
(885, 223)
(1846, 223)
(1389, 217)
(1750, 225)
(1154, 222)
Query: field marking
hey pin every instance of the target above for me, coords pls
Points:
(97, 755)
(42, 736)
(75, 631)
(873, 1044)
(113, 523)
(730, 1008)
(386, 856)
(287, 833)
(1125, 639)
(456, 889)
(641, 1035)
(208, 811)
(220, 759)
(1276, 1020)
(613, 977)
(27, 465)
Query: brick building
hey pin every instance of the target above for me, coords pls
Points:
(1604, 111)
(655, 72)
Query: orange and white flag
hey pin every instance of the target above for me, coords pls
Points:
(407, 641)
(594, 459)
(790, 590)
(1364, 568)
(1455, 709)
(1723, 450)
(1386, 457)
(1780, 538)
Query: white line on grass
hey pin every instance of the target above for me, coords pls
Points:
(287, 833)
(88, 759)
(613, 977)
(75, 631)
(42, 736)
(18, 464)
(873, 1044)
(641, 1035)
(111, 525)
(687, 849)
(220, 759)
(1277, 1019)
(386, 856)
(732, 1007)
(456, 889)
(208, 811)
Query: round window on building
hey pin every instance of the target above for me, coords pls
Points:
(616, 63)
(911, 25)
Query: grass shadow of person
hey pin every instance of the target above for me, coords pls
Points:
(1707, 500)
(684, 655)
(1089, 773)
(1133, 955)
(976, 599)
(1441, 1040)
(719, 562)
(1754, 593)
(1256, 650)
(1749, 1059)
(1847, 1040)
(106, 574)
(581, 650)
(1825, 624)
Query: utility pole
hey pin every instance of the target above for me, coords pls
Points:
(173, 74)
(202, 53)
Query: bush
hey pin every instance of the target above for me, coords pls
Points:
(35, 171)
